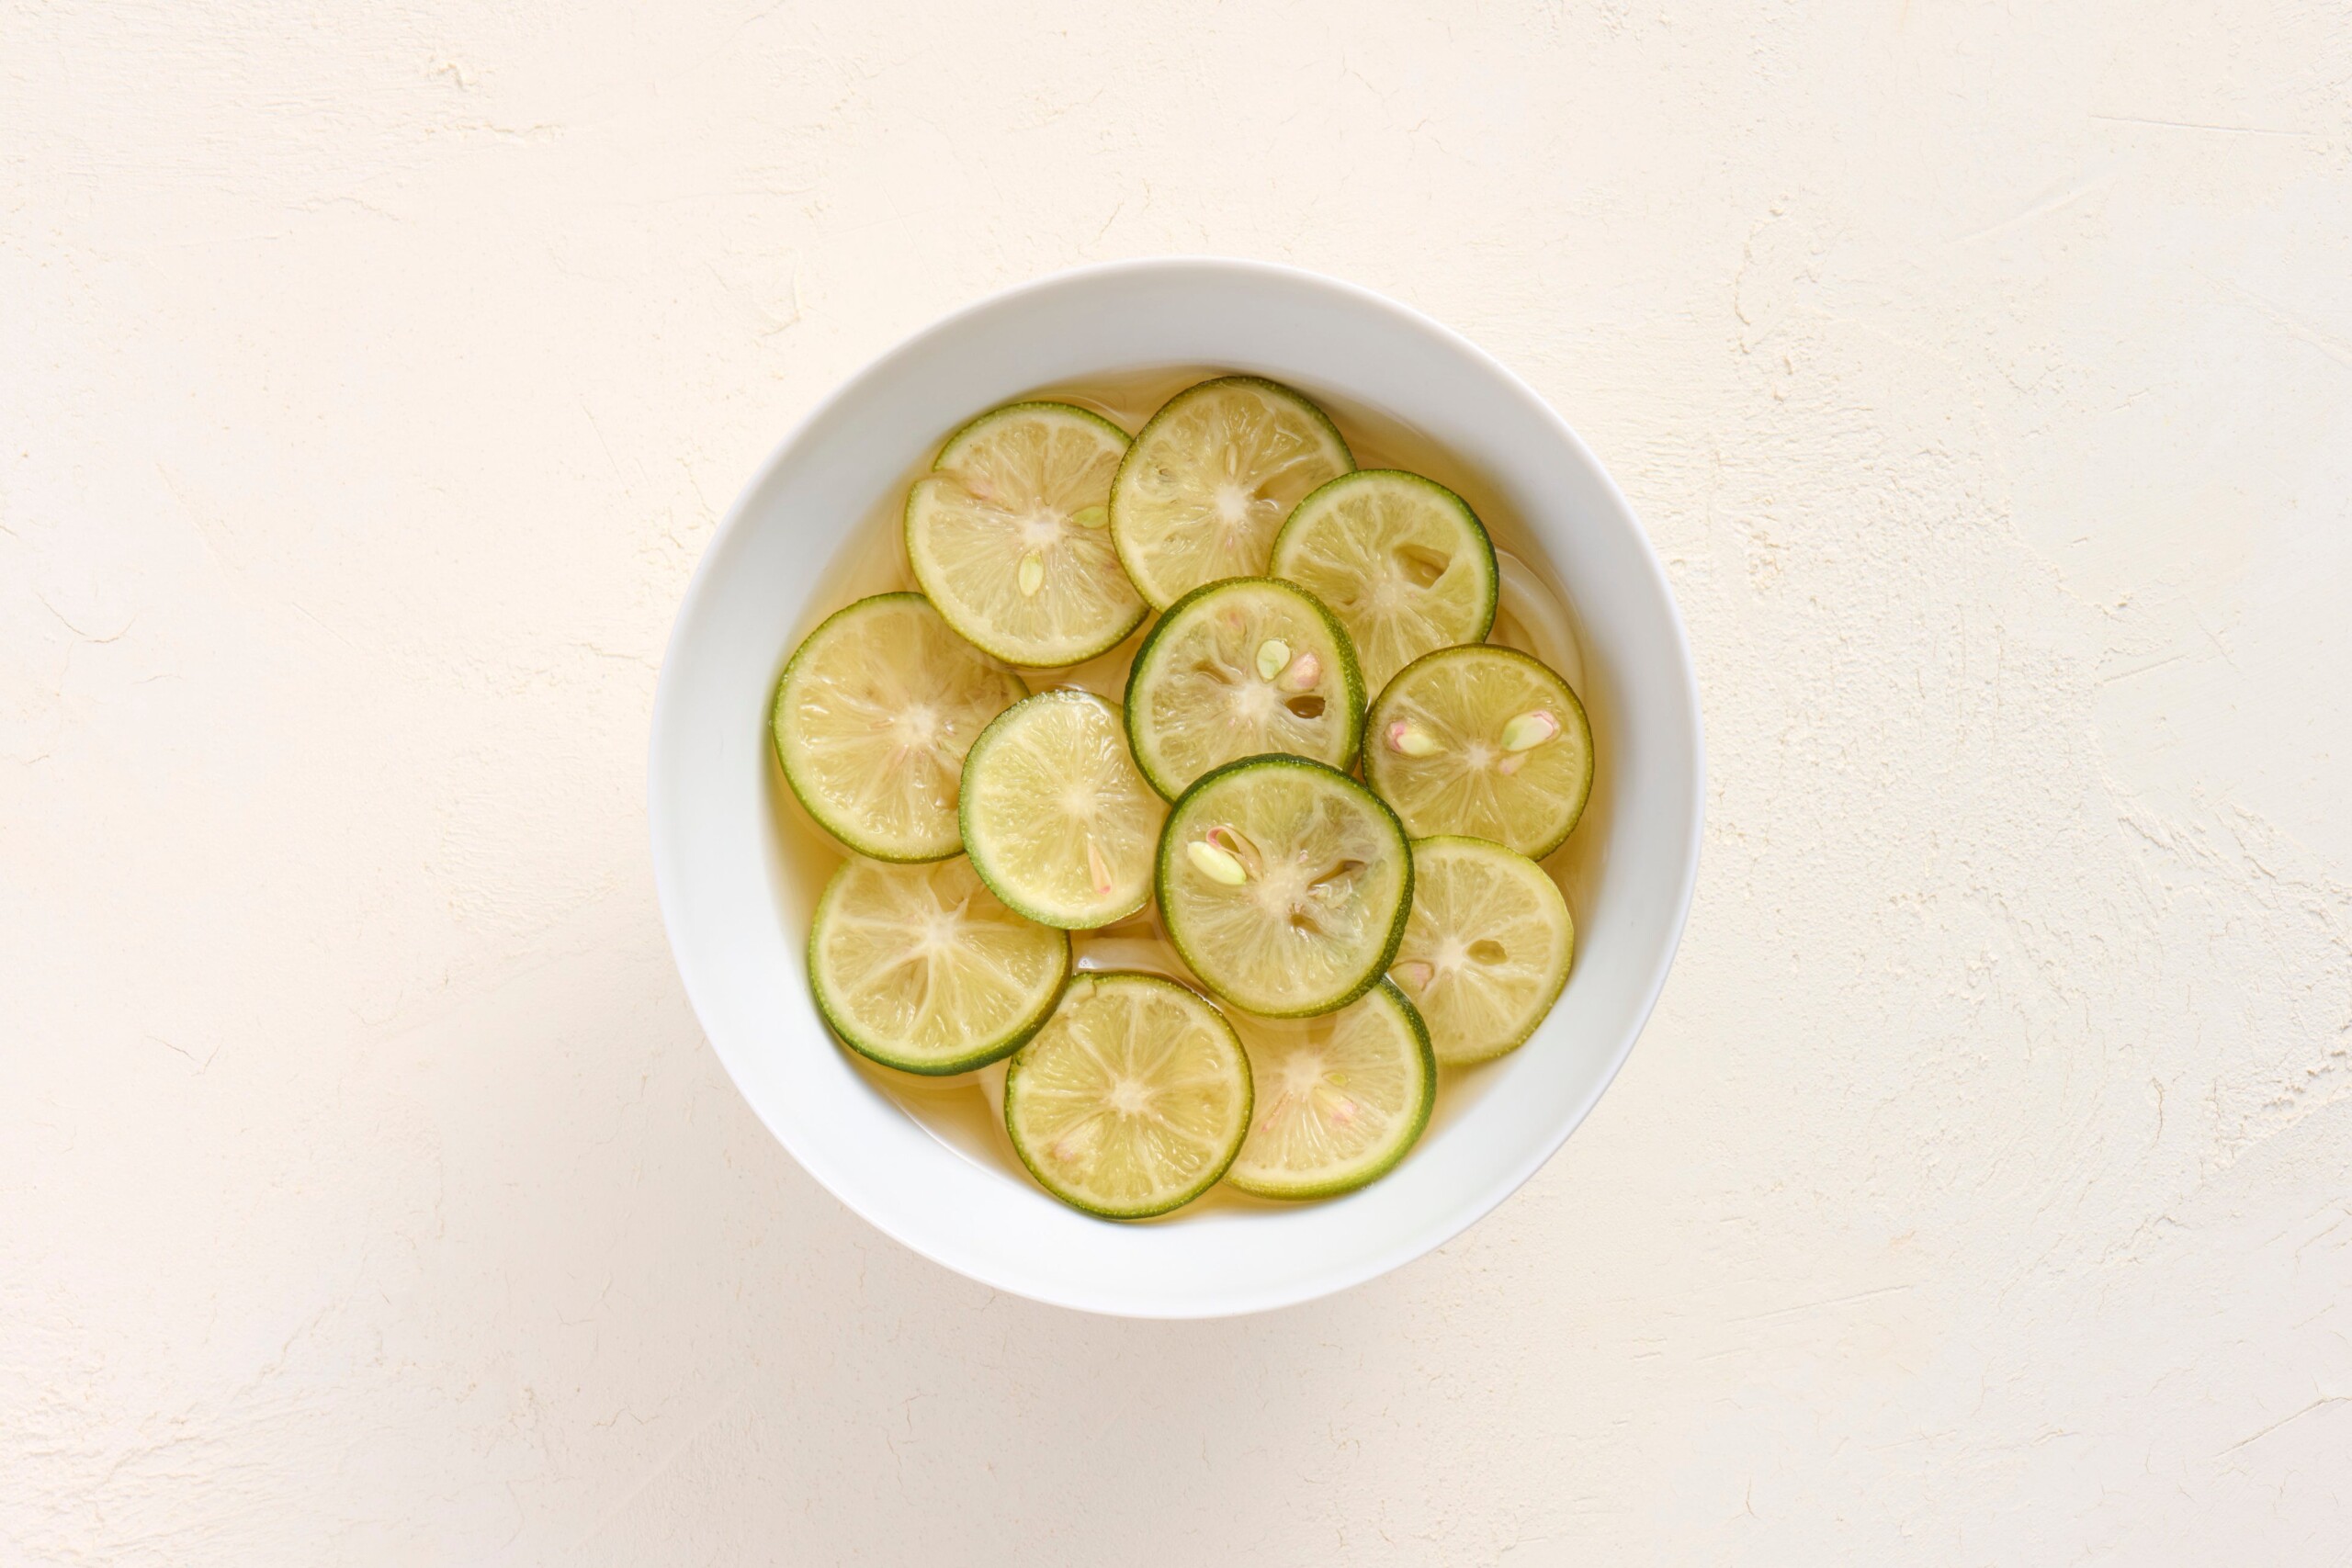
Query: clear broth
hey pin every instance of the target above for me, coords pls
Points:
(966, 1112)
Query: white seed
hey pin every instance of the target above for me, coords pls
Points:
(1274, 656)
(1414, 973)
(1529, 729)
(1032, 573)
(1410, 740)
(1091, 516)
(1216, 865)
(1099, 867)
(1237, 844)
(1305, 672)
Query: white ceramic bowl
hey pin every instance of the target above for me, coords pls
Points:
(717, 814)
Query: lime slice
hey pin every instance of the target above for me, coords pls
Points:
(1340, 1098)
(1209, 480)
(1402, 560)
(1481, 740)
(1284, 884)
(1240, 669)
(1487, 950)
(1008, 535)
(872, 717)
(1132, 1099)
(1058, 821)
(920, 967)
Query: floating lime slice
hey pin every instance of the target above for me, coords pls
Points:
(1481, 740)
(1487, 949)
(1240, 669)
(1057, 819)
(872, 717)
(1010, 536)
(922, 968)
(1340, 1098)
(1208, 481)
(1402, 560)
(1132, 1099)
(1284, 884)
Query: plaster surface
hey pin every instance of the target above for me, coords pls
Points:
(370, 379)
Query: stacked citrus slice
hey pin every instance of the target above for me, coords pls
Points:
(1402, 560)
(1207, 484)
(1322, 944)
(1242, 668)
(1010, 534)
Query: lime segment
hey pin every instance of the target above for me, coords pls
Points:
(1284, 884)
(922, 968)
(1057, 819)
(1339, 1098)
(1487, 950)
(1132, 1099)
(1481, 740)
(1008, 535)
(872, 720)
(1402, 560)
(1210, 479)
(1240, 669)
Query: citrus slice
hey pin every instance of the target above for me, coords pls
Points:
(1402, 560)
(1487, 949)
(1008, 535)
(1339, 1098)
(1481, 740)
(1056, 818)
(1132, 1099)
(1240, 669)
(922, 969)
(1208, 481)
(872, 717)
(1284, 884)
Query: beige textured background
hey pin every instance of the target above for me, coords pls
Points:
(370, 379)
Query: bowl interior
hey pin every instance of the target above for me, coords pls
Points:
(724, 863)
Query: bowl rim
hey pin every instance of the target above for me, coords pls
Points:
(667, 874)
